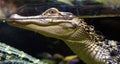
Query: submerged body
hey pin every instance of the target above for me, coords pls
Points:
(79, 36)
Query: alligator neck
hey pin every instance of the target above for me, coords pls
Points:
(87, 50)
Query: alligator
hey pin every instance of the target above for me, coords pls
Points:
(80, 37)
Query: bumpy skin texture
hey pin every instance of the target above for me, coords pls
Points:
(80, 37)
(10, 55)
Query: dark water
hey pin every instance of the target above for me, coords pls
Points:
(109, 26)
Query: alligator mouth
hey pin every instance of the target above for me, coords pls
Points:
(14, 22)
(40, 22)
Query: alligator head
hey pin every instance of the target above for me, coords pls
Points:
(51, 23)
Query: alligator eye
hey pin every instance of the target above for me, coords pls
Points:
(52, 12)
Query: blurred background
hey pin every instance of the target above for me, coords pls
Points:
(104, 15)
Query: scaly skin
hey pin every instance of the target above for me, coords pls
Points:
(79, 36)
